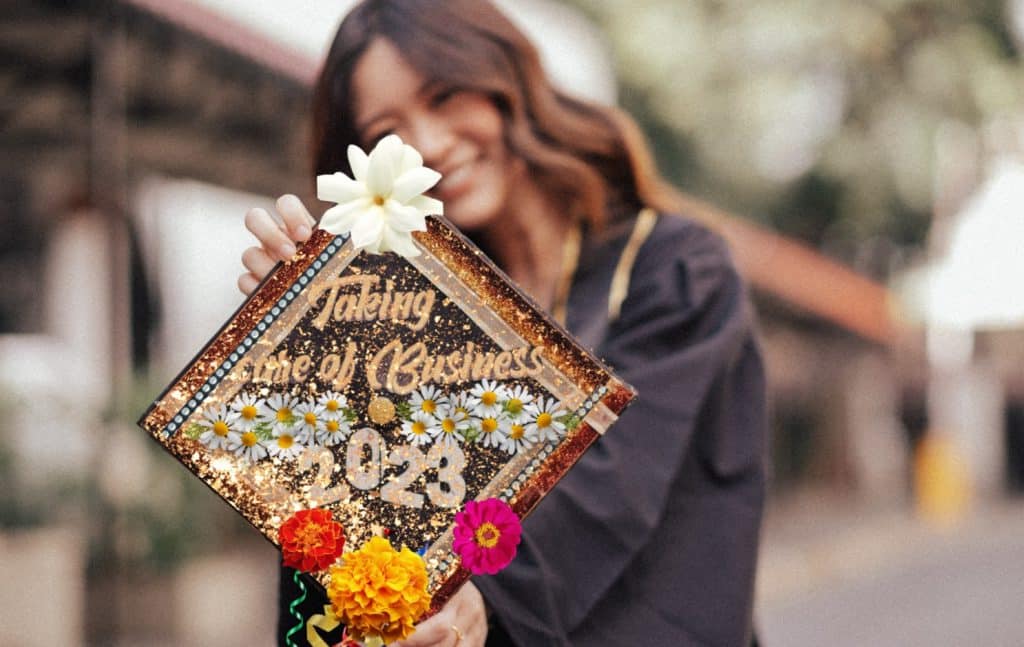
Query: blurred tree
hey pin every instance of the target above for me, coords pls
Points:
(817, 117)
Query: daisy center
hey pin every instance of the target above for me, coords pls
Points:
(487, 535)
(284, 414)
(517, 432)
(544, 420)
(285, 441)
(448, 425)
(310, 418)
(332, 405)
(489, 398)
(419, 428)
(249, 439)
(332, 426)
(489, 425)
(221, 428)
(429, 406)
(514, 406)
(249, 412)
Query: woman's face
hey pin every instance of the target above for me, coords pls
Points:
(458, 132)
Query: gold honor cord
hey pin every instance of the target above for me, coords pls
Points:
(620, 279)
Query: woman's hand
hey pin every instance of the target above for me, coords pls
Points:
(276, 239)
(462, 622)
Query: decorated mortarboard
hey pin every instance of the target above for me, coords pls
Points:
(387, 402)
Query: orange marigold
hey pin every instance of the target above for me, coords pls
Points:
(379, 591)
(311, 540)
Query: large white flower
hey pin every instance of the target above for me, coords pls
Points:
(384, 204)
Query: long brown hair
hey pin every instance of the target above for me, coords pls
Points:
(590, 158)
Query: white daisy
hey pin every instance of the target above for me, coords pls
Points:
(308, 421)
(428, 398)
(489, 395)
(219, 424)
(491, 432)
(284, 445)
(418, 430)
(464, 403)
(334, 405)
(544, 417)
(515, 403)
(452, 423)
(248, 407)
(248, 447)
(332, 431)
(517, 438)
(384, 204)
(279, 410)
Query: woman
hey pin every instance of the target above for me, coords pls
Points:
(652, 537)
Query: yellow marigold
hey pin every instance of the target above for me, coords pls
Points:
(379, 591)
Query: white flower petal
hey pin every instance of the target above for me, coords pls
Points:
(338, 187)
(413, 182)
(402, 218)
(359, 161)
(427, 206)
(384, 161)
(398, 243)
(368, 229)
(340, 218)
(411, 159)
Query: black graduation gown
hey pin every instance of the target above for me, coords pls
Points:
(652, 537)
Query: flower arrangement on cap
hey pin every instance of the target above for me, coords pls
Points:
(377, 592)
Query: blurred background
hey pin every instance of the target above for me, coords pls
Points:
(865, 160)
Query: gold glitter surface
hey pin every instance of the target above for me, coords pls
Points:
(374, 328)
(381, 410)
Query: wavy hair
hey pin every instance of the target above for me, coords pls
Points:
(591, 159)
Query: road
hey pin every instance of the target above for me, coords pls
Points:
(893, 581)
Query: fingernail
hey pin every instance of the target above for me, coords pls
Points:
(303, 232)
(288, 250)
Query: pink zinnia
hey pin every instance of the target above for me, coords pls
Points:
(486, 535)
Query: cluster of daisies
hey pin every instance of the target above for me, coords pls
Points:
(281, 425)
(506, 417)
(509, 418)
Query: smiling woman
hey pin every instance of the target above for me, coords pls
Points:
(652, 536)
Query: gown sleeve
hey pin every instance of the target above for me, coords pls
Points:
(615, 525)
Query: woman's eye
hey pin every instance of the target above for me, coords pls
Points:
(372, 139)
(443, 95)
